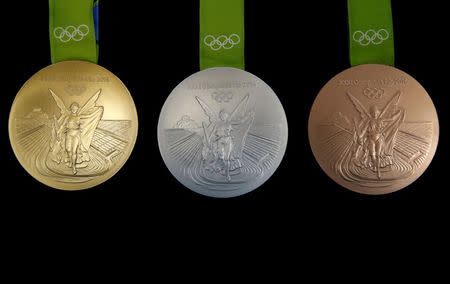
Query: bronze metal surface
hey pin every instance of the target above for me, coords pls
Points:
(373, 129)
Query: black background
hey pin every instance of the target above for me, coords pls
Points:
(295, 48)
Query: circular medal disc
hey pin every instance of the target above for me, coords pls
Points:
(73, 125)
(222, 132)
(373, 129)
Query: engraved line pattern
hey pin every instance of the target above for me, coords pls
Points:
(412, 144)
(117, 127)
(34, 138)
(259, 153)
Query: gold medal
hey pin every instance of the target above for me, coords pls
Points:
(373, 129)
(73, 125)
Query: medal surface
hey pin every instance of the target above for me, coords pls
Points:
(222, 132)
(373, 129)
(73, 125)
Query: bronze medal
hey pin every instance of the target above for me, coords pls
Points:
(373, 129)
(73, 125)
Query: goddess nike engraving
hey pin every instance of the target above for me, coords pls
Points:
(222, 153)
(225, 137)
(373, 129)
(75, 144)
(381, 146)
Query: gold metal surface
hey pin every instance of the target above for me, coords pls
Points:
(373, 129)
(73, 125)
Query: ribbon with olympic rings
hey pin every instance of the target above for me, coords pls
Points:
(371, 33)
(73, 30)
(221, 33)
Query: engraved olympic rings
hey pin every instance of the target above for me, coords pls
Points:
(371, 37)
(71, 33)
(222, 96)
(222, 41)
(373, 93)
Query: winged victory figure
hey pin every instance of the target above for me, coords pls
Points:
(374, 135)
(73, 130)
(224, 137)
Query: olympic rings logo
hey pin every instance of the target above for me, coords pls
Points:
(71, 33)
(371, 37)
(222, 96)
(373, 93)
(222, 41)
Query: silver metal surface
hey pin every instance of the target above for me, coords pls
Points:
(222, 132)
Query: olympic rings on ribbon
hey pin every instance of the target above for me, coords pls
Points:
(222, 41)
(71, 33)
(371, 37)
(373, 93)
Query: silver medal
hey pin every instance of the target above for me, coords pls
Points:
(222, 132)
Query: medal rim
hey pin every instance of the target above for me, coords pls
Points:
(105, 177)
(392, 188)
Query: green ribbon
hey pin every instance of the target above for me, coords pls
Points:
(72, 30)
(221, 33)
(371, 32)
